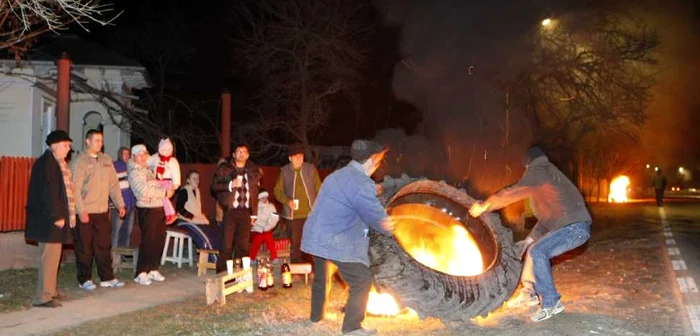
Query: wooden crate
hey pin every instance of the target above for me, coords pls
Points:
(223, 284)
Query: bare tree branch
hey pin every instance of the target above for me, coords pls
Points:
(23, 20)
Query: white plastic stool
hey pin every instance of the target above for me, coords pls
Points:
(178, 247)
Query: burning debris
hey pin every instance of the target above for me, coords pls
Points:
(441, 262)
(619, 188)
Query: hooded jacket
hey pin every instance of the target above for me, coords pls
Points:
(554, 199)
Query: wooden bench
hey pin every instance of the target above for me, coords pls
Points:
(118, 260)
(223, 284)
(203, 265)
(301, 268)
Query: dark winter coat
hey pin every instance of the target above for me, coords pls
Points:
(47, 202)
(226, 173)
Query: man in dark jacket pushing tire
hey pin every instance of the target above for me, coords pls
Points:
(563, 225)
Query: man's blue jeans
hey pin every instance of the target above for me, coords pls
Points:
(121, 227)
(537, 270)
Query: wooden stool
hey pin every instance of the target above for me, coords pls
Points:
(179, 236)
(119, 252)
(302, 268)
(223, 284)
(203, 265)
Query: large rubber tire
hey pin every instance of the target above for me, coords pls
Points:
(435, 294)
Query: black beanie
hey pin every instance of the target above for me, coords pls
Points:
(533, 153)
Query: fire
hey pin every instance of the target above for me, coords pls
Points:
(382, 304)
(437, 239)
(619, 187)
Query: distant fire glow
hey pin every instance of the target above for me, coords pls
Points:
(619, 187)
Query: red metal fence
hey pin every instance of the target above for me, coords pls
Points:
(14, 185)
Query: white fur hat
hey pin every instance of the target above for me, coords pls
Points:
(165, 147)
(263, 194)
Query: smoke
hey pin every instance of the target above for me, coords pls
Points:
(670, 138)
(454, 55)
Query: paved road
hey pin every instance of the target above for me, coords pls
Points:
(681, 227)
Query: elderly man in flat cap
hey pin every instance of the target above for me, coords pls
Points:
(50, 214)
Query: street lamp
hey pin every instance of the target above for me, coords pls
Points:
(546, 22)
(656, 168)
(648, 166)
(680, 170)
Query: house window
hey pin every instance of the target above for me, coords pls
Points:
(48, 120)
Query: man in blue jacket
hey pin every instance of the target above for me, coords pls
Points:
(337, 231)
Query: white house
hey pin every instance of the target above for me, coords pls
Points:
(28, 96)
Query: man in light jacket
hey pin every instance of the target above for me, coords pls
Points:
(50, 214)
(95, 182)
(337, 231)
(297, 186)
(149, 203)
(563, 224)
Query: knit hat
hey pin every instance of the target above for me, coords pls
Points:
(138, 149)
(165, 147)
(263, 194)
(533, 153)
(361, 150)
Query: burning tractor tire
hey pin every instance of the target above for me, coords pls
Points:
(441, 262)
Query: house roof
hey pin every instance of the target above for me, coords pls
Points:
(81, 52)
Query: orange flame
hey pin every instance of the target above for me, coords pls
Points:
(619, 187)
(436, 239)
(382, 304)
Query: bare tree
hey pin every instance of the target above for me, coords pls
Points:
(607, 156)
(305, 55)
(590, 73)
(23, 20)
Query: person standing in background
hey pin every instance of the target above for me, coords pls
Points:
(121, 228)
(297, 187)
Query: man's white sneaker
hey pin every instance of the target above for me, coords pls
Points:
(543, 314)
(156, 276)
(88, 286)
(143, 279)
(114, 283)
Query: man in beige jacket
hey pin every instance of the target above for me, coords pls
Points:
(95, 182)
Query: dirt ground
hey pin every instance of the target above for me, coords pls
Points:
(618, 284)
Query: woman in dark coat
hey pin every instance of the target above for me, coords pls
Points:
(50, 214)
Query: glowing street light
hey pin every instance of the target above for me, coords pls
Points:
(546, 22)
(648, 166)
(680, 170)
(656, 168)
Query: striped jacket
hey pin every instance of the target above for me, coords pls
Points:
(146, 188)
(127, 194)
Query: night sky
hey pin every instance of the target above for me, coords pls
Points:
(444, 38)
